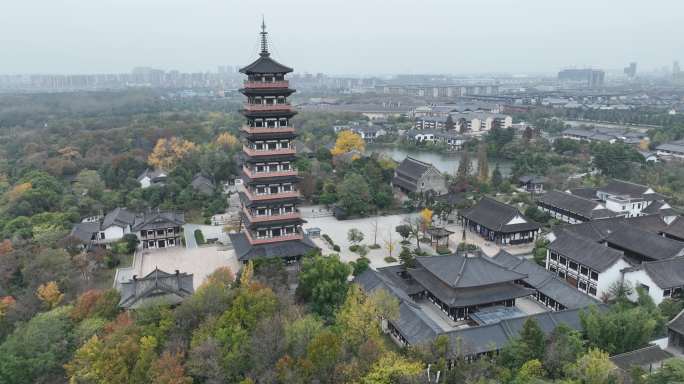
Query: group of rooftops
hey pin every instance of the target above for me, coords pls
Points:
(477, 292)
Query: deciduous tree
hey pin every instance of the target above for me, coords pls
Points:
(168, 152)
(347, 141)
(50, 294)
(323, 283)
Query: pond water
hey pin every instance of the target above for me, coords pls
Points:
(444, 162)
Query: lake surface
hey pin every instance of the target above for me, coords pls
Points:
(445, 162)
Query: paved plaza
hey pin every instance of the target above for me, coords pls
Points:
(200, 261)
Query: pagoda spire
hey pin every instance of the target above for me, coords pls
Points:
(264, 39)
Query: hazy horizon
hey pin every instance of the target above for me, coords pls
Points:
(340, 37)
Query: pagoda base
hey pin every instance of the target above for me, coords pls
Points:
(288, 250)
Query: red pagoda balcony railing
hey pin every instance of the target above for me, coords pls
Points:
(294, 236)
(272, 196)
(256, 130)
(268, 152)
(262, 85)
(267, 107)
(276, 217)
(256, 175)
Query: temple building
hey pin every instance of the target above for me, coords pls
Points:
(269, 197)
(499, 222)
(477, 302)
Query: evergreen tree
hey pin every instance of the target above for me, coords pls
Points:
(464, 167)
(497, 178)
(449, 124)
(482, 163)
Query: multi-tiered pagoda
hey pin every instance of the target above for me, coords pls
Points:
(271, 220)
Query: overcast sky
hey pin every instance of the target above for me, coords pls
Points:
(340, 36)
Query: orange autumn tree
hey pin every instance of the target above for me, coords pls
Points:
(69, 152)
(5, 303)
(6, 247)
(348, 141)
(18, 190)
(167, 152)
(49, 294)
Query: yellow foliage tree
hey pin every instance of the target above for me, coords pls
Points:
(246, 276)
(49, 294)
(643, 144)
(425, 219)
(348, 141)
(18, 190)
(167, 152)
(358, 318)
(227, 140)
(392, 367)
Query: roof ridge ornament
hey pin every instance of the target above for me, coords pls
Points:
(264, 38)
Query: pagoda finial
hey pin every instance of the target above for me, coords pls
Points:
(264, 40)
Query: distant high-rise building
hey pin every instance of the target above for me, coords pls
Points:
(592, 78)
(631, 70)
(677, 75)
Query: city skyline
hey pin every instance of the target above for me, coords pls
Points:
(343, 38)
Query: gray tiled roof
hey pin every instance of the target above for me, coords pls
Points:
(587, 193)
(676, 228)
(84, 231)
(533, 179)
(265, 64)
(495, 216)
(599, 230)
(659, 207)
(647, 244)
(409, 185)
(413, 323)
(668, 273)
(624, 188)
(545, 281)
(153, 220)
(672, 147)
(586, 208)
(157, 286)
(463, 297)
(412, 168)
(120, 217)
(284, 249)
(461, 271)
(640, 357)
(595, 256)
(493, 337)
(677, 324)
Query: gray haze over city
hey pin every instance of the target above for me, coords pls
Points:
(340, 36)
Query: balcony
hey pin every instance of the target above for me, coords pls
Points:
(258, 130)
(271, 196)
(256, 175)
(268, 152)
(266, 85)
(268, 107)
(294, 236)
(266, 218)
